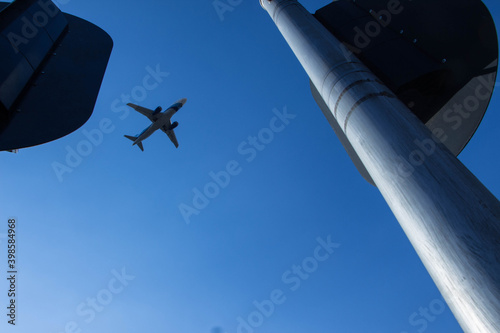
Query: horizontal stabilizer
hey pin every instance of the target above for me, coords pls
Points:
(133, 138)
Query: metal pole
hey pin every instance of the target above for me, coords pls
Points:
(451, 219)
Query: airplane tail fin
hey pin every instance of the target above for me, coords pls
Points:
(133, 138)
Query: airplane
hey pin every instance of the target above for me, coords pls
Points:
(160, 120)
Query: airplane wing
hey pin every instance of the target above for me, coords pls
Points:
(147, 112)
(171, 135)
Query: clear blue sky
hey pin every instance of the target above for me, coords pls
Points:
(117, 213)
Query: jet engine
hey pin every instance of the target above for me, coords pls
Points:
(174, 125)
(157, 110)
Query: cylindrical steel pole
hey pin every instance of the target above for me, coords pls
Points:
(451, 219)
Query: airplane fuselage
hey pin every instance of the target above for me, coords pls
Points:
(160, 119)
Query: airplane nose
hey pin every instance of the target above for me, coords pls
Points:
(183, 101)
